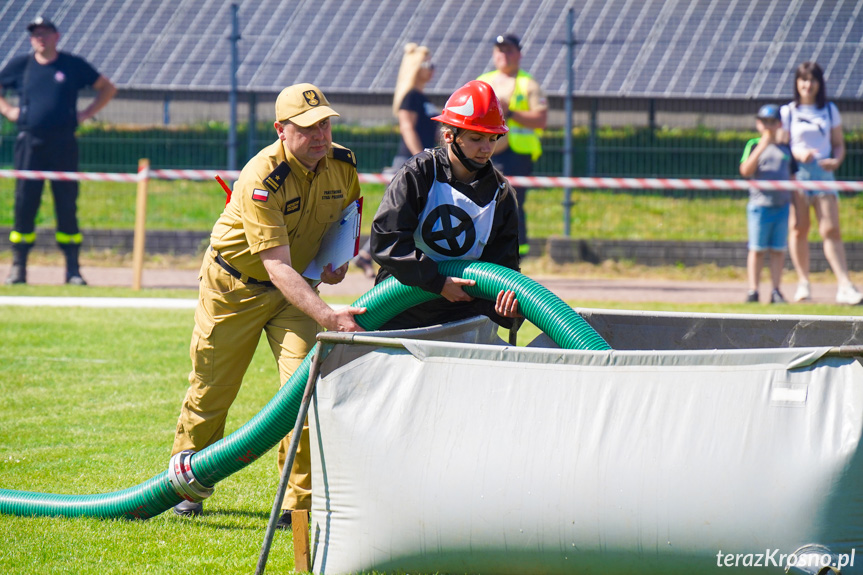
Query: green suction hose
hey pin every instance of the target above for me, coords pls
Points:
(276, 419)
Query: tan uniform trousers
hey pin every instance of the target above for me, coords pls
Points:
(229, 319)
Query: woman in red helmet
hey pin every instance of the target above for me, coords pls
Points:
(450, 203)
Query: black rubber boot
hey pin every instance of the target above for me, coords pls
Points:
(73, 271)
(18, 271)
(284, 521)
(189, 508)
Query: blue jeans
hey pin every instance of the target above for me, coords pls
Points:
(812, 172)
(768, 227)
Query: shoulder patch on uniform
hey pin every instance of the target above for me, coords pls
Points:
(344, 155)
(277, 177)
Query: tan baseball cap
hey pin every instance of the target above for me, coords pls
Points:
(303, 104)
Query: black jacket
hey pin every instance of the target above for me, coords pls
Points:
(392, 237)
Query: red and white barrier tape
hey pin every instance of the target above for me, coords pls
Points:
(66, 176)
(526, 181)
(677, 184)
(193, 174)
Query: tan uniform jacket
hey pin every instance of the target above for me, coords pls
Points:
(277, 201)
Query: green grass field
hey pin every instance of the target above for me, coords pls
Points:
(89, 404)
(90, 397)
(697, 216)
(90, 401)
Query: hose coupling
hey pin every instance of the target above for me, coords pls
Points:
(183, 480)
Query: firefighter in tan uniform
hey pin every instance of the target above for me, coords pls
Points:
(250, 282)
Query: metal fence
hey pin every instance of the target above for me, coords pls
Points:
(612, 138)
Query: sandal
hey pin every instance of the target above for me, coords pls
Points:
(364, 261)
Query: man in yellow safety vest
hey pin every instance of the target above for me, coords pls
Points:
(526, 113)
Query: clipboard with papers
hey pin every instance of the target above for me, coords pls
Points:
(340, 243)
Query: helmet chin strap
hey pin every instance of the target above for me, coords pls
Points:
(471, 165)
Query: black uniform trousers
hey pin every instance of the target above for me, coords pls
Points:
(54, 153)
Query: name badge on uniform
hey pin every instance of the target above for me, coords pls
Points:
(292, 206)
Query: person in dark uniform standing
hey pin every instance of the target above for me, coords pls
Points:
(251, 279)
(450, 203)
(48, 82)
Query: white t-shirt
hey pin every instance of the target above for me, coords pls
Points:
(810, 127)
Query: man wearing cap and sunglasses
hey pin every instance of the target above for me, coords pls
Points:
(526, 113)
(48, 82)
(250, 281)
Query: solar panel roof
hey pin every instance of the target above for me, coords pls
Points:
(624, 48)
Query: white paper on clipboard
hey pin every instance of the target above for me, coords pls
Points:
(340, 243)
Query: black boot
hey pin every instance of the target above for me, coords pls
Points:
(73, 272)
(18, 271)
(189, 508)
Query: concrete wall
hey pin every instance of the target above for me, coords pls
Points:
(121, 241)
(658, 253)
(559, 249)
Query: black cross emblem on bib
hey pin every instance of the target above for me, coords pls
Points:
(449, 234)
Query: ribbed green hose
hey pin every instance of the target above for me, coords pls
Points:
(276, 419)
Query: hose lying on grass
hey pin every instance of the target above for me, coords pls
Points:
(204, 469)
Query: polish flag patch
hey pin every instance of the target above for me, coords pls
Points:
(260, 195)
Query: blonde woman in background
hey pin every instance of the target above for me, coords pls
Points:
(410, 105)
(414, 113)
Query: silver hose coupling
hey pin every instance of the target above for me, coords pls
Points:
(183, 480)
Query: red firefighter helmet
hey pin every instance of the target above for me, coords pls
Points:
(475, 107)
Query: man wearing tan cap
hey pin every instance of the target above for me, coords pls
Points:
(250, 282)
